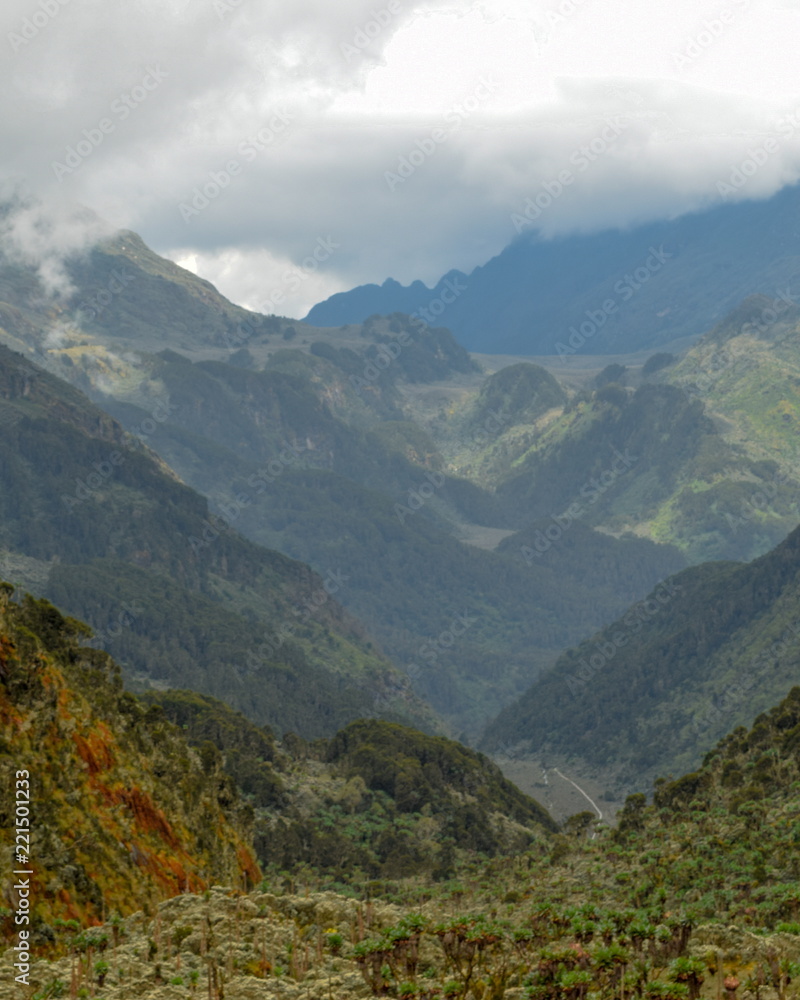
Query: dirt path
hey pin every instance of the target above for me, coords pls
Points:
(591, 802)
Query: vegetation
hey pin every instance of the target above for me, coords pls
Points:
(694, 896)
(654, 459)
(123, 814)
(376, 800)
(111, 535)
(650, 693)
(326, 490)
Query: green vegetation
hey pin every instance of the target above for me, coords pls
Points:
(650, 693)
(377, 800)
(172, 593)
(680, 481)
(694, 896)
(522, 391)
(124, 814)
(317, 483)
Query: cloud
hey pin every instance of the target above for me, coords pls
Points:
(46, 236)
(141, 108)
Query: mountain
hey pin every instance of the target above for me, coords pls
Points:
(696, 452)
(93, 520)
(747, 371)
(692, 896)
(307, 441)
(471, 627)
(708, 650)
(377, 799)
(122, 814)
(614, 292)
(134, 801)
(654, 461)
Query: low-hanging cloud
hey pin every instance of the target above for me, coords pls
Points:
(46, 236)
(141, 109)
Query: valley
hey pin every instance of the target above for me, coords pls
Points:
(399, 500)
(408, 621)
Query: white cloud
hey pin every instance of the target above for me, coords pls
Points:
(262, 282)
(44, 236)
(155, 99)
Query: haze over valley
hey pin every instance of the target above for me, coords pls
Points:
(400, 501)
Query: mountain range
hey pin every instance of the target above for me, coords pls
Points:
(689, 896)
(611, 292)
(475, 523)
(315, 556)
(294, 453)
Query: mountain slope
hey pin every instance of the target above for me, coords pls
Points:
(122, 814)
(692, 897)
(92, 519)
(654, 461)
(311, 446)
(377, 798)
(661, 282)
(708, 650)
(747, 370)
(287, 474)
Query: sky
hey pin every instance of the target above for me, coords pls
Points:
(291, 150)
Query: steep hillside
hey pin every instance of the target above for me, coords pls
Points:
(692, 898)
(613, 292)
(656, 461)
(124, 292)
(747, 370)
(708, 650)
(377, 800)
(121, 813)
(471, 627)
(90, 518)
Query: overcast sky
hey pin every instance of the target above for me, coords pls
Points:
(393, 138)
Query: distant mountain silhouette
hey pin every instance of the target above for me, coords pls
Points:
(605, 293)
